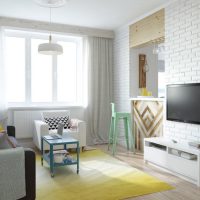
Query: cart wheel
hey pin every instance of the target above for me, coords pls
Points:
(52, 175)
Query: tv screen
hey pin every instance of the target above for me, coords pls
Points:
(183, 103)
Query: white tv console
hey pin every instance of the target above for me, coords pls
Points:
(168, 155)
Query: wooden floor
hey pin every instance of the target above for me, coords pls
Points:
(183, 190)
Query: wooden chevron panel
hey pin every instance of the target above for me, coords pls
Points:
(147, 120)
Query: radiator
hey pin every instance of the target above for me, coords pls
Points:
(24, 122)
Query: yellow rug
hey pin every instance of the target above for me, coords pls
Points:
(101, 177)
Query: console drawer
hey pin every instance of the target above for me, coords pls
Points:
(183, 166)
(155, 155)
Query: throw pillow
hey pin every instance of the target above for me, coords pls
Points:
(1, 127)
(53, 122)
(5, 142)
(74, 123)
(12, 142)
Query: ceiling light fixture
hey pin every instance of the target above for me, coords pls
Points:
(50, 48)
(51, 3)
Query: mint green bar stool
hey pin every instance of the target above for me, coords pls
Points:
(113, 134)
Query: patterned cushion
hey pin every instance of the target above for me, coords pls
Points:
(53, 122)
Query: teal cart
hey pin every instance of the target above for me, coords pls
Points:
(49, 157)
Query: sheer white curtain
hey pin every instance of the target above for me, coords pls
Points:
(3, 103)
(100, 63)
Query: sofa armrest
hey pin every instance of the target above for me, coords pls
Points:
(41, 129)
(30, 171)
(11, 131)
(30, 175)
(81, 128)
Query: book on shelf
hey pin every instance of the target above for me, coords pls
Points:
(63, 151)
(68, 158)
(60, 155)
(52, 137)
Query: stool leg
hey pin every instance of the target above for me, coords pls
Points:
(115, 134)
(110, 138)
(126, 131)
(132, 138)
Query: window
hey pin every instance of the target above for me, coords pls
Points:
(67, 73)
(41, 74)
(15, 68)
(33, 78)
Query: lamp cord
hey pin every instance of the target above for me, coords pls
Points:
(50, 15)
(50, 24)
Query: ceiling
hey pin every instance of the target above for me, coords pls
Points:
(104, 14)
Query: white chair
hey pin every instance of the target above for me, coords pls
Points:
(42, 128)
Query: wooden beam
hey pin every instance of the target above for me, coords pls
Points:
(151, 29)
(57, 28)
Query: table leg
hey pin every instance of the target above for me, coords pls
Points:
(51, 161)
(77, 151)
(65, 146)
(42, 151)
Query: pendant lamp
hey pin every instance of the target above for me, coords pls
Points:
(51, 3)
(50, 48)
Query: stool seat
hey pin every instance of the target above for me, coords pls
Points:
(121, 114)
(113, 134)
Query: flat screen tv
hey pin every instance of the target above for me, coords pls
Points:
(183, 103)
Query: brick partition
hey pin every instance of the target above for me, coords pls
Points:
(182, 59)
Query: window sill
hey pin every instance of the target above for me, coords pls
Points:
(43, 107)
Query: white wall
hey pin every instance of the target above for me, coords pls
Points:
(182, 57)
(151, 75)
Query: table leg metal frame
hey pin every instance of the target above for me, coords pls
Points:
(51, 156)
(77, 153)
(42, 151)
(51, 161)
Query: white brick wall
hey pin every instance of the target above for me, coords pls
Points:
(121, 74)
(182, 57)
(182, 60)
(121, 69)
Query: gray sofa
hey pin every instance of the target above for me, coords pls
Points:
(30, 169)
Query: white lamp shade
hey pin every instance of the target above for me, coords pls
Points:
(50, 49)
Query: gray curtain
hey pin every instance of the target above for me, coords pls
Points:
(100, 64)
(3, 102)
